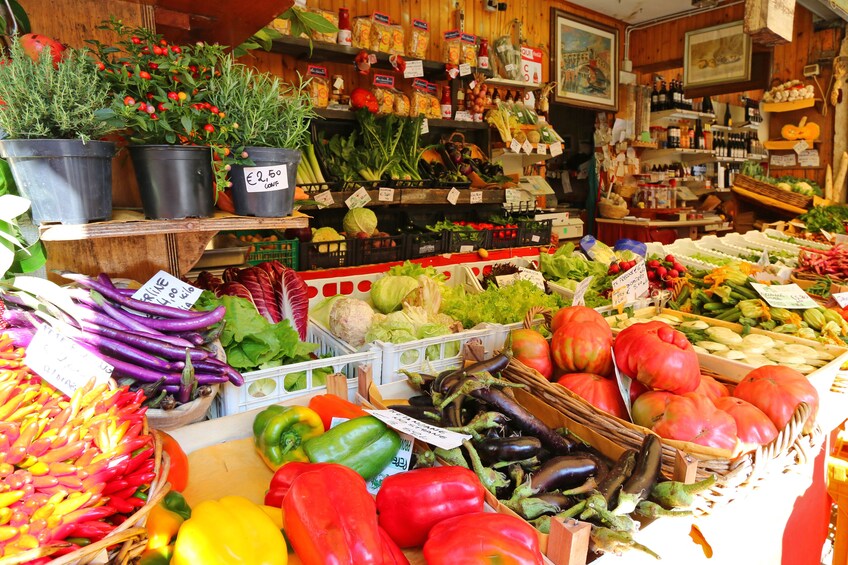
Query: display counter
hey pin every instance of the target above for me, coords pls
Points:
(661, 231)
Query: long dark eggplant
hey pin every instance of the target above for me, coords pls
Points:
(509, 448)
(567, 471)
(620, 472)
(493, 365)
(523, 420)
(421, 400)
(644, 476)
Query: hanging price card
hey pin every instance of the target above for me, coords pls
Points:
(453, 196)
(63, 363)
(801, 146)
(439, 437)
(358, 199)
(425, 126)
(556, 148)
(266, 179)
(324, 199)
(631, 285)
(386, 194)
(168, 290)
(580, 291)
(789, 296)
(541, 148)
(476, 197)
(464, 69)
(414, 69)
(527, 147)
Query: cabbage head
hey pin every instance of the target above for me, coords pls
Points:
(359, 220)
(387, 293)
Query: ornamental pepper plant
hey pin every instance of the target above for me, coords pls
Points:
(161, 92)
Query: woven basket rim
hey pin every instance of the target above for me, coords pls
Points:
(765, 189)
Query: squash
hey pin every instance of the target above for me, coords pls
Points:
(809, 131)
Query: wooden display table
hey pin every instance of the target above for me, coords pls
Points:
(666, 232)
(132, 247)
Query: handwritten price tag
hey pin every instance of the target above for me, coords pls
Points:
(631, 285)
(556, 148)
(580, 291)
(266, 179)
(63, 363)
(386, 195)
(453, 196)
(425, 126)
(358, 199)
(168, 290)
(841, 298)
(541, 148)
(789, 296)
(476, 197)
(324, 199)
(764, 260)
(801, 146)
(464, 69)
(419, 430)
(527, 147)
(515, 146)
(414, 69)
(623, 382)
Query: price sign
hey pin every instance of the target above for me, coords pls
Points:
(63, 363)
(515, 146)
(453, 196)
(324, 199)
(399, 464)
(527, 147)
(266, 179)
(535, 238)
(556, 148)
(789, 296)
(466, 248)
(631, 285)
(358, 199)
(168, 290)
(506, 280)
(464, 69)
(425, 126)
(801, 146)
(338, 84)
(764, 259)
(534, 277)
(841, 298)
(580, 291)
(386, 195)
(476, 197)
(419, 430)
(623, 382)
(414, 69)
(787, 160)
(542, 148)
(809, 158)
(463, 116)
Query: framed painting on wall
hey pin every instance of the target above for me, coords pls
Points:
(584, 62)
(716, 55)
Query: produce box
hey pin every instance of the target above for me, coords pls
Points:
(534, 232)
(420, 245)
(327, 255)
(828, 360)
(270, 245)
(380, 249)
(686, 248)
(502, 237)
(465, 241)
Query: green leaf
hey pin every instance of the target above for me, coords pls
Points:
(186, 123)
(171, 137)
(20, 15)
(316, 22)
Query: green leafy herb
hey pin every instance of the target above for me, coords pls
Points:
(828, 218)
(505, 305)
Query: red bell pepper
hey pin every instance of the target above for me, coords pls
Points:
(392, 555)
(330, 519)
(410, 504)
(330, 406)
(283, 478)
(483, 538)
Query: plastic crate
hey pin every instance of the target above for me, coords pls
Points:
(420, 245)
(465, 241)
(502, 237)
(534, 232)
(327, 255)
(380, 249)
(422, 183)
(286, 251)
(314, 188)
(268, 386)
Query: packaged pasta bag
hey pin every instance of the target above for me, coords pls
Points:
(418, 40)
(331, 17)
(319, 85)
(381, 33)
(420, 101)
(361, 37)
(452, 47)
(435, 111)
(396, 48)
(385, 93)
(468, 44)
(402, 104)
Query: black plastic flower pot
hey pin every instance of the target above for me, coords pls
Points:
(175, 181)
(66, 180)
(265, 188)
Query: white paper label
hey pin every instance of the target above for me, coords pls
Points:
(425, 126)
(514, 146)
(464, 69)
(466, 248)
(809, 158)
(787, 160)
(386, 194)
(476, 197)
(840, 238)
(534, 277)
(801, 146)
(527, 147)
(556, 148)
(414, 69)
(338, 84)
(535, 238)
(419, 430)
(400, 463)
(453, 196)
(472, 84)
(580, 291)
(324, 199)
(623, 382)
(631, 285)
(841, 298)
(764, 259)
(358, 199)
(827, 235)
(463, 116)
(789, 296)
(541, 148)
(63, 363)
(509, 67)
(266, 179)
(168, 290)
(506, 280)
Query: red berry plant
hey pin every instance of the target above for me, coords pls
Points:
(162, 91)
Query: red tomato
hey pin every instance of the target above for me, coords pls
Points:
(600, 392)
(571, 314)
(658, 356)
(178, 471)
(777, 391)
(694, 418)
(650, 406)
(531, 348)
(752, 426)
(711, 388)
(583, 347)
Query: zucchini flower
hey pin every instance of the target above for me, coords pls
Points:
(754, 308)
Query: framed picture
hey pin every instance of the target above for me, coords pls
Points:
(584, 62)
(716, 55)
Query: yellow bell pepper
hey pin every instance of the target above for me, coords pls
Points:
(276, 515)
(229, 531)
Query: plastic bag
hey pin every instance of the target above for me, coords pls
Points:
(509, 57)
(597, 250)
(636, 247)
(333, 18)
(469, 49)
(361, 37)
(319, 86)
(385, 93)
(452, 47)
(381, 33)
(418, 40)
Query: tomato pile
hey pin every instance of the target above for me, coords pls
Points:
(663, 273)
(499, 231)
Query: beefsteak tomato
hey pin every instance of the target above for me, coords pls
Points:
(600, 392)
(711, 388)
(659, 357)
(777, 391)
(575, 314)
(753, 427)
(694, 418)
(531, 348)
(650, 406)
(582, 347)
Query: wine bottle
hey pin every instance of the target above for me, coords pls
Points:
(663, 97)
(655, 99)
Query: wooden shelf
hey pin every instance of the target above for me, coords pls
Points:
(790, 106)
(784, 145)
(509, 83)
(678, 114)
(347, 115)
(644, 145)
(416, 197)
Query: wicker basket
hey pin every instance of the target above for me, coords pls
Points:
(766, 189)
(735, 475)
(182, 415)
(612, 212)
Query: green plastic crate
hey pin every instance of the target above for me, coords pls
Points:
(286, 251)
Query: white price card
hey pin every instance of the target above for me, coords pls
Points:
(809, 158)
(787, 160)
(400, 463)
(838, 238)
(386, 194)
(463, 116)
(453, 196)
(506, 280)
(801, 146)
(420, 430)
(623, 382)
(789, 296)
(515, 146)
(631, 285)
(841, 298)
(556, 148)
(764, 260)
(338, 84)
(827, 235)
(166, 289)
(414, 69)
(534, 277)
(580, 291)
(266, 179)
(324, 199)
(476, 197)
(464, 69)
(542, 148)
(425, 126)
(358, 199)
(466, 248)
(535, 238)
(527, 147)
(63, 363)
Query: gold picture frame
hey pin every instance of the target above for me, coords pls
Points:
(716, 55)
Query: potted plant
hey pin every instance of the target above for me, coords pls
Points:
(52, 113)
(273, 119)
(179, 141)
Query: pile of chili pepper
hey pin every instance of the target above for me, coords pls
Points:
(832, 262)
(71, 469)
(539, 472)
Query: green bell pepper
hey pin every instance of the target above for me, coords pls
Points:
(364, 444)
(280, 431)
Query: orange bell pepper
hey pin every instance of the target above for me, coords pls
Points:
(330, 406)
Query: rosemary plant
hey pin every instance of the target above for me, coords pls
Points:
(68, 101)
